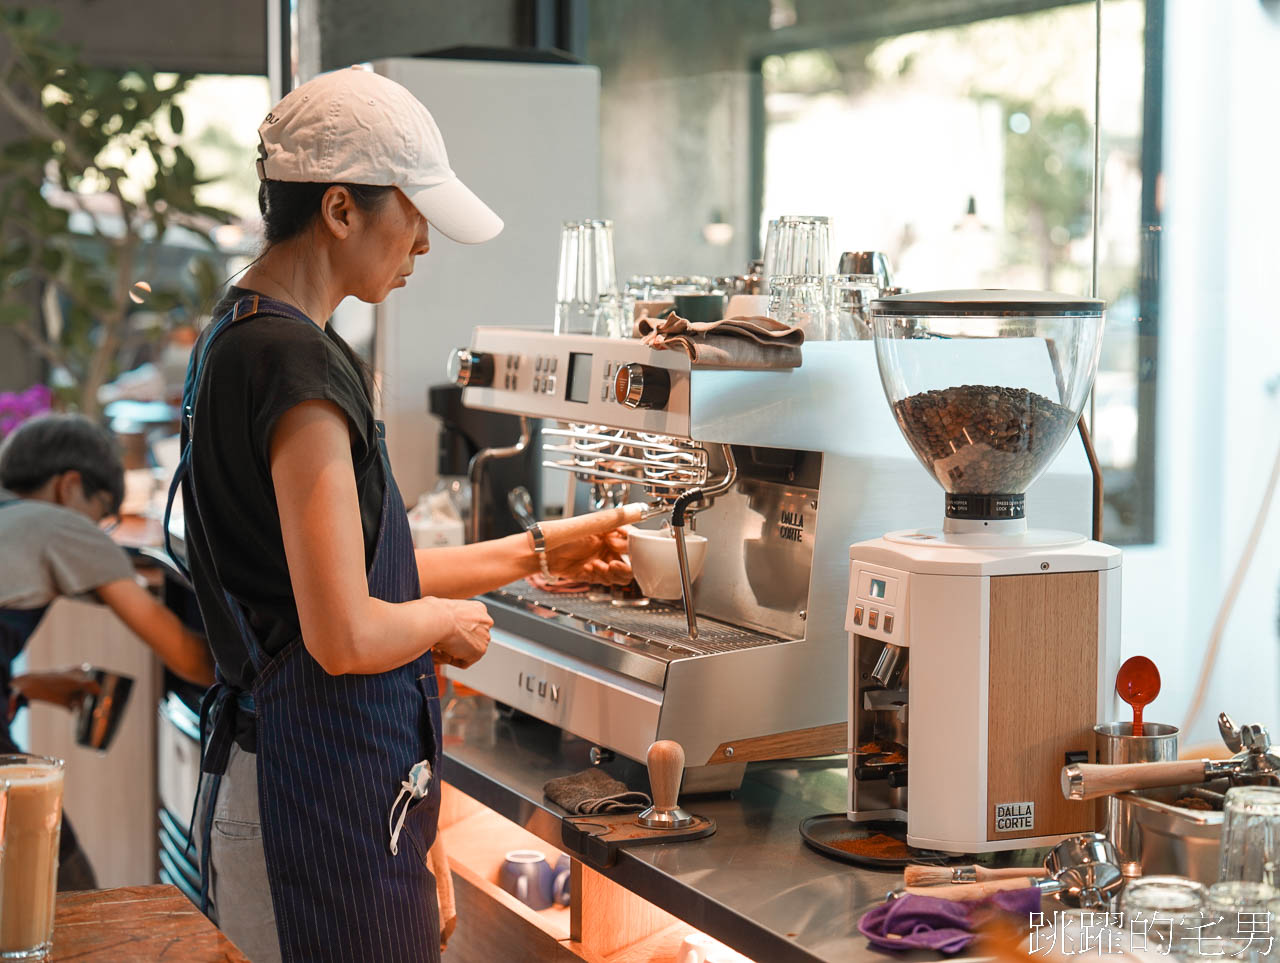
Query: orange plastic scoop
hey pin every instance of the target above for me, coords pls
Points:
(1138, 683)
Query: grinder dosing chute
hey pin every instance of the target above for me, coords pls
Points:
(986, 387)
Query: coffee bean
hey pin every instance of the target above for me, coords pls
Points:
(980, 439)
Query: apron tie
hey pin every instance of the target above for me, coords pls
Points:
(416, 786)
(218, 711)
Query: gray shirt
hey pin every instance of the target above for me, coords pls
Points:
(47, 551)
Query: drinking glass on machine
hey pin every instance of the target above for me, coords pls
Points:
(849, 298)
(798, 300)
(587, 274)
(29, 858)
(803, 246)
(769, 255)
(615, 316)
(1250, 848)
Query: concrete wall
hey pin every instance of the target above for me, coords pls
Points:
(225, 36)
(354, 32)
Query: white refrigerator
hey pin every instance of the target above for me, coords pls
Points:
(526, 138)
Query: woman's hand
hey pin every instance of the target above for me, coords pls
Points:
(65, 687)
(469, 639)
(597, 559)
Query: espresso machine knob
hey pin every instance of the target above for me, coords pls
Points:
(471, 369)
(642, 386)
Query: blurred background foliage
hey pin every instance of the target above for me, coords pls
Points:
(104, 243)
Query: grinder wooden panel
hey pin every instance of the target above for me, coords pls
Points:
(1043, 697)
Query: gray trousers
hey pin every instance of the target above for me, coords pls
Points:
(239, 894)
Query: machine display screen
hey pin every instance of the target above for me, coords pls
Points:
(877, 588)
(579, 377)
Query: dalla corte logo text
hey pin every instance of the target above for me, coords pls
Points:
(1011, 817)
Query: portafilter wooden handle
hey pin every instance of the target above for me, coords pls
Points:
(1089, 780)
(666, 769)
(971, 891)
(561, 531)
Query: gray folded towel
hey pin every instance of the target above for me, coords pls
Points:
(594, 791)
(755, 342)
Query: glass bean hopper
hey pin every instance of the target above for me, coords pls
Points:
(987, 386)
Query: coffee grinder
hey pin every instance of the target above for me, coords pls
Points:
(980, 652)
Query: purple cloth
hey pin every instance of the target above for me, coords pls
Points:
(913, 922)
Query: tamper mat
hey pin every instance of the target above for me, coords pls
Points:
(597, 839)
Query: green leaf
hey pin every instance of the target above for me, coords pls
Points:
(51, 259)
(41, 20)
(11, 313)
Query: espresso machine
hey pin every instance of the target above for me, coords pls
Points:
(981, 652)
(793, 463)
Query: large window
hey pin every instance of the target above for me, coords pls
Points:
(966, 153)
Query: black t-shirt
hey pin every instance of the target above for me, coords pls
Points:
(256, 371)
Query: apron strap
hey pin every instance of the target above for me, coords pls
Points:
(245, 308)
(221, 703)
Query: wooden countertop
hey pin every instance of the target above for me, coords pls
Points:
(133, 924)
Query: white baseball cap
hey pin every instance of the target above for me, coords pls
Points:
(357, 127)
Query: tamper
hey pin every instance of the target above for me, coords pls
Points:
(666, 770)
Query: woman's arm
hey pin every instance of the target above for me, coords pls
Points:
(344, 628)
(182, 651)
(460, 571)
(59, 687)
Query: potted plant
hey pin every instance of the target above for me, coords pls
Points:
(90, 192)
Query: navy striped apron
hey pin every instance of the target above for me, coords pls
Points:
(332, 755)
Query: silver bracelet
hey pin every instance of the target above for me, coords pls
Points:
(540, 548)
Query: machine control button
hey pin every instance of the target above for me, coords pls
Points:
(857, 615)
(549, 384)
(888, 622)
(642, 385)
(471, 369)
(553, 365)
(537, 365)
(873, 618)
(604, 391)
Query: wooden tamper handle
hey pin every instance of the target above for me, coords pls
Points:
(666, 770)
(1085, 780)
(561, 531)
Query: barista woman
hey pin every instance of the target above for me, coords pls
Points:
(324, 728)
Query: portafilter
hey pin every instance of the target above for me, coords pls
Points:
(1254, 764)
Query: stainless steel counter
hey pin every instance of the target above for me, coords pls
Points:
(754, 885)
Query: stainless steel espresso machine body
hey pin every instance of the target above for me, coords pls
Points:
(819, 463)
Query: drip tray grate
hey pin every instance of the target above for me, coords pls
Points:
(658, 623)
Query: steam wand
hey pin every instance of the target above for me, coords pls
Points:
(678, 509)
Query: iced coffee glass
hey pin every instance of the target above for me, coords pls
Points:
(29, 858)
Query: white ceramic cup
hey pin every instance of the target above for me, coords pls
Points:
(700, 948)
(695, 947)
(655, 564)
